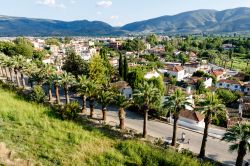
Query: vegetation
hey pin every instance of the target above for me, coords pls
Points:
(176, 103)
(210, 106)
(28, 126)
(239, 135)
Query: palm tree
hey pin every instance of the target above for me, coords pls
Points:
(91, 92)
(81, 90)
(210, 106)
(9, 64)
(239, 135)
(66, 80)
(56, 78)
(2, 64)
(176, 103)
(49, 79)
(122, 102)
(29, 69)
(105, 97)
(146, 96)
(18, 63)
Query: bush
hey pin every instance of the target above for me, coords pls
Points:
(37, 94)
(70, 111)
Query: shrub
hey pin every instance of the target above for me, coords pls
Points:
(70, 111)
(37, 94)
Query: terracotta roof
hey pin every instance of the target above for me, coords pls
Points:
(175, 68)
(217, 72)
(192, 115)
(236, 82)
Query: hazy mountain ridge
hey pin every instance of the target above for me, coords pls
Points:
(204, 20)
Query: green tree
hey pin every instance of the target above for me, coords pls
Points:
(120, 66)
(152, 39)
(81, 90)
(92, 89)
(210, 106)
(74, 64)
(176, 103)
(146, 96)
(125, 69)
(97, 70)
(226, 96)
(66, 80)
(239, 136)
(105, 97)
(122, 102)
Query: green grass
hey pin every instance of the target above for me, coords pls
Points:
(35, 133)
(238, 64)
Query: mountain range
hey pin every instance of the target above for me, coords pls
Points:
(198, 21)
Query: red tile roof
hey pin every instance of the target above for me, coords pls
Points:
(236, 82)
(192, 115)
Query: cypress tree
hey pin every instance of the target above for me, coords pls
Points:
(121, 66)
(125, 69)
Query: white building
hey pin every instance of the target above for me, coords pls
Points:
(124, 88)
(233, 85)
(152, 74)
(176, 71)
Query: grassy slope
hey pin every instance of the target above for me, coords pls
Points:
(35, 134)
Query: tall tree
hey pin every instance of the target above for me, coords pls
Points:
(210, 106)
(66, 80)
(49, 79)
(105, 97)
(92, 89)
(125, 69)
(97, 70)
(239, 135)
(74, 64)
(146, 96)
(122, 102)
(81, 90)
(120, 66)
(176, 103)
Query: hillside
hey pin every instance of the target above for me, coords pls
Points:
(15, 26)
(232, 20)
(212, 21)
(36, 134)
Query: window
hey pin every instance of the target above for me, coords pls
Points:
(220, 84)
(228, 85)
(236, 86)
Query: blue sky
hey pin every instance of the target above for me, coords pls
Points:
(114, 12)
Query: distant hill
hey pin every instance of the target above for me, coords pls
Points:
(211, 21)
(231, 20)
(19, 26)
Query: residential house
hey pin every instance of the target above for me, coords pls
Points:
(234, 85)
(192, 117)
(192, 81)
(218, 74)
(152, 74)
(176, 71)
(124, 88)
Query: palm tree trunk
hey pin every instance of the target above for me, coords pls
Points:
(7, 75)
(122, 118)
(176, 117)
(104, 113)
(91, 105)
(231, 64)
(17, 79)
(241, 153)
(57, 93)
(50, 93)
(66, 92)
(11, 75)
(83, 104)
(205, 135)
(145, 122)
(23, 80)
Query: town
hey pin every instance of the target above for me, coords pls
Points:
(200, 83)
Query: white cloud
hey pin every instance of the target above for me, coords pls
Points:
(50, 3)
(104, 4)
(72, 1)
(114, 17)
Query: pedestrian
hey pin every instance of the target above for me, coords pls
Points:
(183, 135)
(188, 141)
